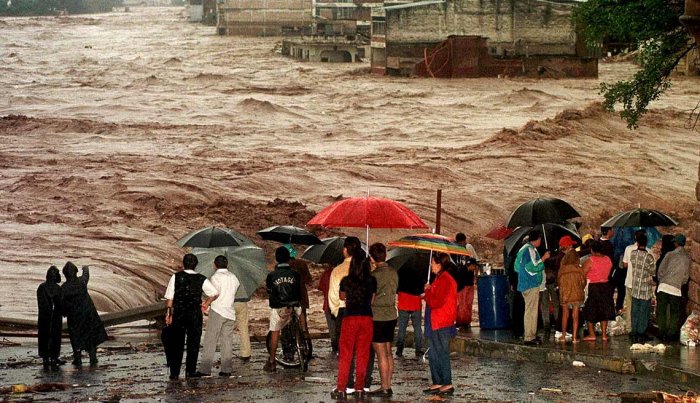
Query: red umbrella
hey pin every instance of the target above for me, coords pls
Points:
(372, 212)
(367, 212)
(500, 232)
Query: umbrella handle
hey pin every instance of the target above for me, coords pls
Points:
(367, 234)
(430, 261)
(544, 235)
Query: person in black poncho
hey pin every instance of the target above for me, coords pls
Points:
(48, 297)
(84, 324)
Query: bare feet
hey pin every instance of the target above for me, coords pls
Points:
(589, 338)
(575, 341)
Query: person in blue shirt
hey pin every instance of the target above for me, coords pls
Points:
(530, 266)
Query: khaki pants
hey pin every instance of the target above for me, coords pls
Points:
(241, 309)
(628, 310)
(218, 329)
(532, 297)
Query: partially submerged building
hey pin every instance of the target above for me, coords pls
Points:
(264, 17)
(478, 38)
(340, 32)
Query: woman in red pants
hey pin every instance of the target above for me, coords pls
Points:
(357, 290)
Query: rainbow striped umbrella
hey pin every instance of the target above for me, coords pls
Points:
(431, 242)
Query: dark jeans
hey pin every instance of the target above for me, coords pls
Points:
(618, 283)
(668, 315)
(186, 326)
(517, 314)
(415, 317)
(330, 322)
(439, 356)
(640, 316)
(550, 295)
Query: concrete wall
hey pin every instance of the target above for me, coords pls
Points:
(694, 284)
(265, 17)
(519, 27)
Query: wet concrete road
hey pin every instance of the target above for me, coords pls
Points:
(129, 375)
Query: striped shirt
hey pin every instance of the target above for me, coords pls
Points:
(643, 265)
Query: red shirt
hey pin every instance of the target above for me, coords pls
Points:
(442, 300)
(323, 285)
(600, 269)
(409, 302)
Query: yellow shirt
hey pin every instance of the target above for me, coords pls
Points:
(340, 272)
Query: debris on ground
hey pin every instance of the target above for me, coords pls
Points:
(648, 348)
(551, 390)
(38, 388)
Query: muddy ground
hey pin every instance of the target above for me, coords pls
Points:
(136, 372)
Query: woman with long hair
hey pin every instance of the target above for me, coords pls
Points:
(599, 305)
(357, 289)
(441, 298)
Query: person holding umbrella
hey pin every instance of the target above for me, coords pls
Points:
(642, 264)
(183, 316)
(358, 289)
(530, 266)
(351, 247)
(441, 298)
(222, 317)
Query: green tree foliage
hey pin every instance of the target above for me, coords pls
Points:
(652, 26)
(51, 7)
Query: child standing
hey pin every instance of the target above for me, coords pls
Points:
(572, 282)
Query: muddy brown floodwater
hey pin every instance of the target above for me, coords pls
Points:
(123, 131)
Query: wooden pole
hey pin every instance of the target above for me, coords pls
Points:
(438, 211)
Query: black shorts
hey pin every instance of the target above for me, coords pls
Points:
(383, 331)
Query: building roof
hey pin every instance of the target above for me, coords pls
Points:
(414, 4)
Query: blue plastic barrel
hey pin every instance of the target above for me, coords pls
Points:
(494, 311)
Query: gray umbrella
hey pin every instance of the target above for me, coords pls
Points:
(246, 262)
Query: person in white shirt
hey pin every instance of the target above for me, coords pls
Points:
(222, 317)
(673, 274)
(183, 317)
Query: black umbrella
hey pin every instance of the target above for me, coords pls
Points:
(410, 265)
(213, 237)
(289, 234)
(552, 232)
(330, 251)
(640, 217)
(541, 211)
